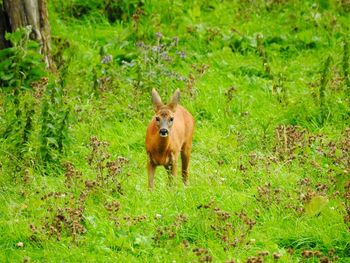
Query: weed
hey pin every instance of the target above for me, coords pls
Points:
(157, 60)
(54, 124)
(322, 92)
(107, 170)
(169, 232)
(20, 70)
(263, 55)
(346, 63)
(288, 140)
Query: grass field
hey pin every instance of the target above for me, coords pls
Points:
(269, 87)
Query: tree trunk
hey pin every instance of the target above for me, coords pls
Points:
(20, 13)
(4, 27)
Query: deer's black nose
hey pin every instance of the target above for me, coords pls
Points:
(163, 132)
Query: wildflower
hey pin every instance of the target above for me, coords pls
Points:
(175, 41)
(325, 260)
(181, 54)
(140, 44)
(156, 49)
(159, 35)
(158, 216)
(276, 256)
(264, 253)
(165, 56)
(107, 59)
(20, 244)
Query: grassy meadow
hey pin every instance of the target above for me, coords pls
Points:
(269, 87)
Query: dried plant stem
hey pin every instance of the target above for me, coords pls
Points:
(263, 55)
(278, 80)
(285, 139)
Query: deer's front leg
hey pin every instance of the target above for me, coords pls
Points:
(171, 167)
(151, 167)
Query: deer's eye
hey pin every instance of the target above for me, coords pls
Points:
(157, 119)
(171, 119)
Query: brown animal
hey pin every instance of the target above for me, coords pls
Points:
(169, 133)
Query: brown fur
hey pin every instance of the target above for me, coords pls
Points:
(165, 150)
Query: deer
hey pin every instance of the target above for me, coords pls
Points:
(168, 134)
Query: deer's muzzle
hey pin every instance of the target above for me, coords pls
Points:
(163, 132)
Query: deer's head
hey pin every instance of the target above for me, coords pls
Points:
(164, 116)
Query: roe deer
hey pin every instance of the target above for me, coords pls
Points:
(169, 133)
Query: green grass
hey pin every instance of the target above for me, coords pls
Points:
(239, 166)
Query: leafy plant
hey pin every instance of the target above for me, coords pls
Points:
(21, 67)
(26, 89)
(22, 63)
(54, 123)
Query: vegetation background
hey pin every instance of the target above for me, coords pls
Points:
(268, 84)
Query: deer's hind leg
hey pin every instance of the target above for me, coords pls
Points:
(185, 159)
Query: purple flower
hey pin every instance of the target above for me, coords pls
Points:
(181, 54)
(106, 59)
(140, 44)
(156, 49)
(165, 56)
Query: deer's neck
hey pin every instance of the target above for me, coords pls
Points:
(163, 144)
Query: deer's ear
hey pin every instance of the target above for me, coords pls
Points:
(175, 100)
(157, 102)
